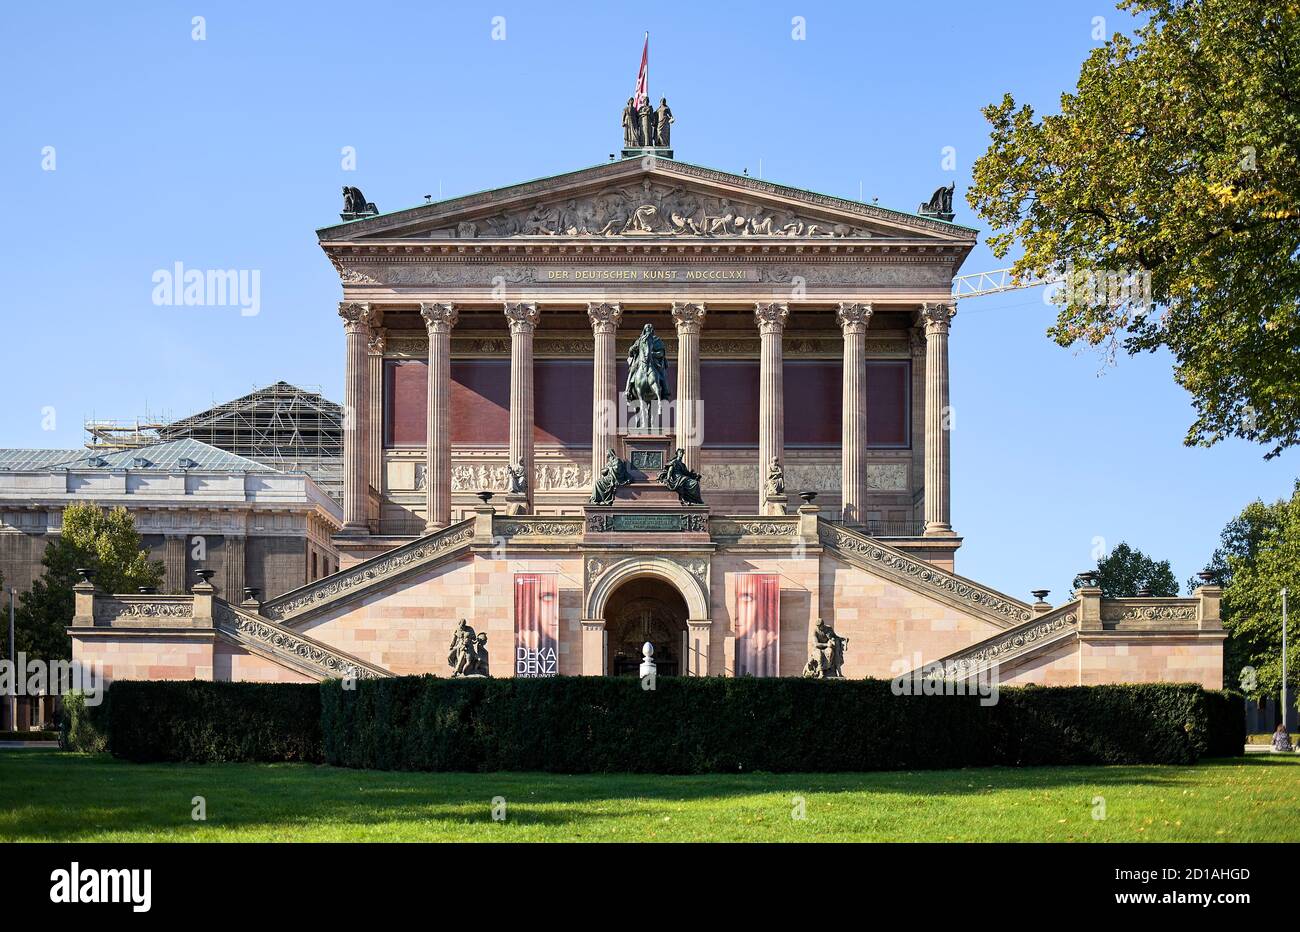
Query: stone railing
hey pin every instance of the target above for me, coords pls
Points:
(524, 528)
(897, 566)
(144, 610)
(1151, 612)
(346, 584)
(1059, 624)
(289, 648)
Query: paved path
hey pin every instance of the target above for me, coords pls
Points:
(13, 745)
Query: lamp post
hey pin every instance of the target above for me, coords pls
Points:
(1283, 657)
(13, 658)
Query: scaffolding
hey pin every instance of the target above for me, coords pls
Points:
(122, 435)
(281, 426)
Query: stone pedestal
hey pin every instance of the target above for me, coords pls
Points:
(776, 505)
(516, 503)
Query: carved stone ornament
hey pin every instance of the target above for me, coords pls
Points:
(649, 209)
(420, 552)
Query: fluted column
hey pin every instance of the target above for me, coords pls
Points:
(356, 417)
(604, 383)
(438, 320)
(523, 321)
(853, 319)
(688, 319)
(771, 320)
(938, 474)
(375, 444)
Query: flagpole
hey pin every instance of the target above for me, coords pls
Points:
(1284, 657)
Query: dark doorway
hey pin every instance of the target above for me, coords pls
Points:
(646, 610)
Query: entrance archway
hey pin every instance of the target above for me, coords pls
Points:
(640, 610)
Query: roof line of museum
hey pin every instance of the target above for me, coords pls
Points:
(517, 184)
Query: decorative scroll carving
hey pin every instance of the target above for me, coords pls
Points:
(109, 610)
(538, 527)
(1121, 611)
(294, 648)
(775, 527)
(874, 556)
(418, 553)
(1006, 645)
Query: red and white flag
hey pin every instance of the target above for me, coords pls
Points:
(643, 76)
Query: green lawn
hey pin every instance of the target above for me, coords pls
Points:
(48, 795)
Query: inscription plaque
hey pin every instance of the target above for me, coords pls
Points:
(647, 460)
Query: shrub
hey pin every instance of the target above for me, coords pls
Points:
(84, 727)
(209, 722)
(710, 725)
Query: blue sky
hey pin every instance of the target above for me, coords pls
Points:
(226, 153)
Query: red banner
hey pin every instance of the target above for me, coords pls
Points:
(758, 624)
(537, 625)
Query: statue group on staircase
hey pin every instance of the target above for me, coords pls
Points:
(827, 660)
(468, 655)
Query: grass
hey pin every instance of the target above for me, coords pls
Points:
(57, 796)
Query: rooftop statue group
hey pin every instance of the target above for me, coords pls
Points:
(644, 127)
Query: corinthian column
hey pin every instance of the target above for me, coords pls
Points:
(771, 401)
(523, 321)
(688, 318)
(604, 384)
(438, 319)
(356, 417)
(853, 319)
(375, 441)
(938, 470)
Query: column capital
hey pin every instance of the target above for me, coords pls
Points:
(688, 317)
(378, 340)
(356, 316)
(937, 316)
(916, 341)
(604, 317)
(439, 318)
(523, 316)
(771, 316)
(853, 318)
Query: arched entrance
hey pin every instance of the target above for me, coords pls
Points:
(640, 610)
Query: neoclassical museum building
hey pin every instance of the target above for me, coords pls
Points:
(648, 402)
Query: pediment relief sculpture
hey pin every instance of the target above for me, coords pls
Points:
(651, 210)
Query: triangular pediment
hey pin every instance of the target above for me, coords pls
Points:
(647, 200)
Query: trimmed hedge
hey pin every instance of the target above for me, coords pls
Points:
(712, 725)
(206, 722)
(705, 725)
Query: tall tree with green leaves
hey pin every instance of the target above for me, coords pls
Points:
(103, 541)
(1126, 571)
(1258, 556)
(1167, 192)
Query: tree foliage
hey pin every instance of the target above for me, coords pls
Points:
(104, 541)
(1125, 571)
(1174, 166)
(1258, 556)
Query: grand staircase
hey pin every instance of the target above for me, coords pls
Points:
(288, 648)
